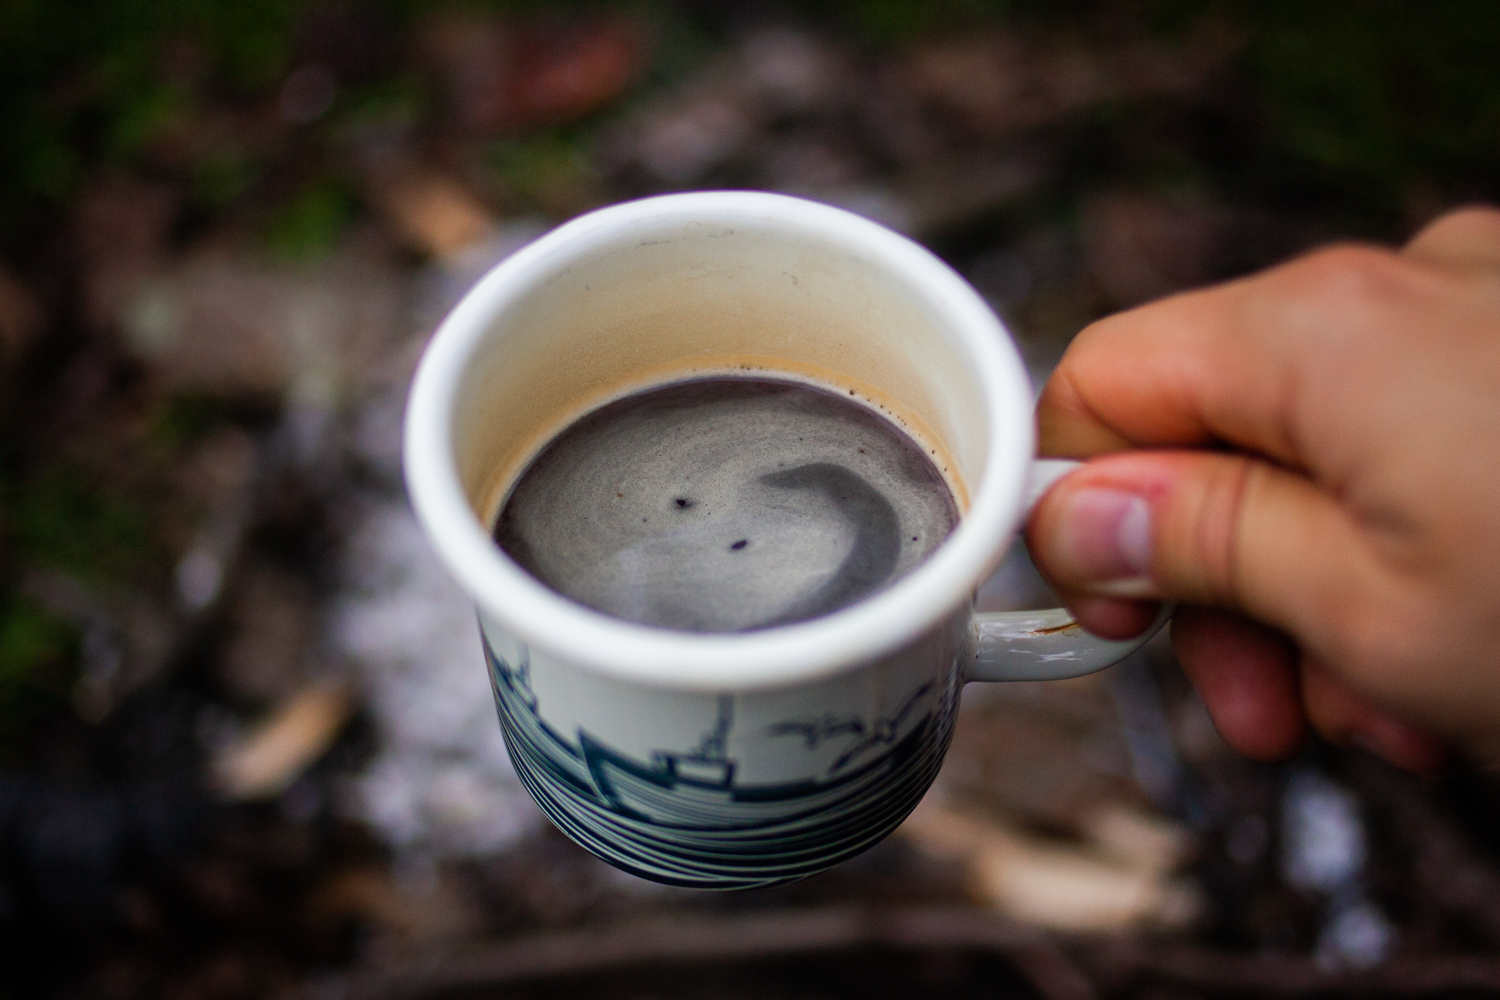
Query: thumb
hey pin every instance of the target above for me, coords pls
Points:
(1219, 529)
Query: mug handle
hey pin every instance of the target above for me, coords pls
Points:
(1045, 645)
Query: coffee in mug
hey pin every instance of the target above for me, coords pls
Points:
(727, 504)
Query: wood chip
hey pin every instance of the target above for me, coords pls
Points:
(705, 938)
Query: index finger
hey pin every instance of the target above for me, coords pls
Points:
(1182, 371)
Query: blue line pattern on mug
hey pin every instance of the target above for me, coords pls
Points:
(683, 819)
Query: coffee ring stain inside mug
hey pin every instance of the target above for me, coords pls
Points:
(726, 504)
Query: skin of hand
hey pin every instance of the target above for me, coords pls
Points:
(1309, 460)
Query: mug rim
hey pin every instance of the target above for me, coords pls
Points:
(772, 657)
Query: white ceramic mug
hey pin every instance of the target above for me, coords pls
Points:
(733, 760)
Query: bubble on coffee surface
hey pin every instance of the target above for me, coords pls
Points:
(726, 504)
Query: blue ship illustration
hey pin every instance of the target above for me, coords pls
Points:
(682, 817)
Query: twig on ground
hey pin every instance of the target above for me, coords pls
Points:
(777, 934)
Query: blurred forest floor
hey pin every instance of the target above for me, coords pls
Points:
(246, 744)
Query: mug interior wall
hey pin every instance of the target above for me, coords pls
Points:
(655, 302)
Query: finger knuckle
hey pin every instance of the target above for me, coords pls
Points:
(1336, 299)
(1478, 219)
(1213, 531)
(1344, 275)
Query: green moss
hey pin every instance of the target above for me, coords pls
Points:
(221, 177)
(1381, 94)
(307, 228)
(38, 668)
(399, 100)
(31, 639)
(145, 117)
(543, 169)
(81, 83)
(63, 520)
(183, 418)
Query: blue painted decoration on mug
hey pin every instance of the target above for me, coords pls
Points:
(683, 819)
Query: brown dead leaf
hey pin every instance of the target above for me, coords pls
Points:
(1138, 838)
(564, 74)
(367, 894)
(504, 75)
(1053, 883)
(20, 316)
(266, 761)
(433, 213)
(412, 916)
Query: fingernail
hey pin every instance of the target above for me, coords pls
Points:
(1105, 542)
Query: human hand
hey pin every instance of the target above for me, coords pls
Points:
(1309, 460)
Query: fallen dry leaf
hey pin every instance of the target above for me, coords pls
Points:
(421, 914)
(435, 214)
(266, 761)
(1055, 884)
(1138, 838)
(506, 75)
(20, 315)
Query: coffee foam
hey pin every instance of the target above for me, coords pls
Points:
(727, 504)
